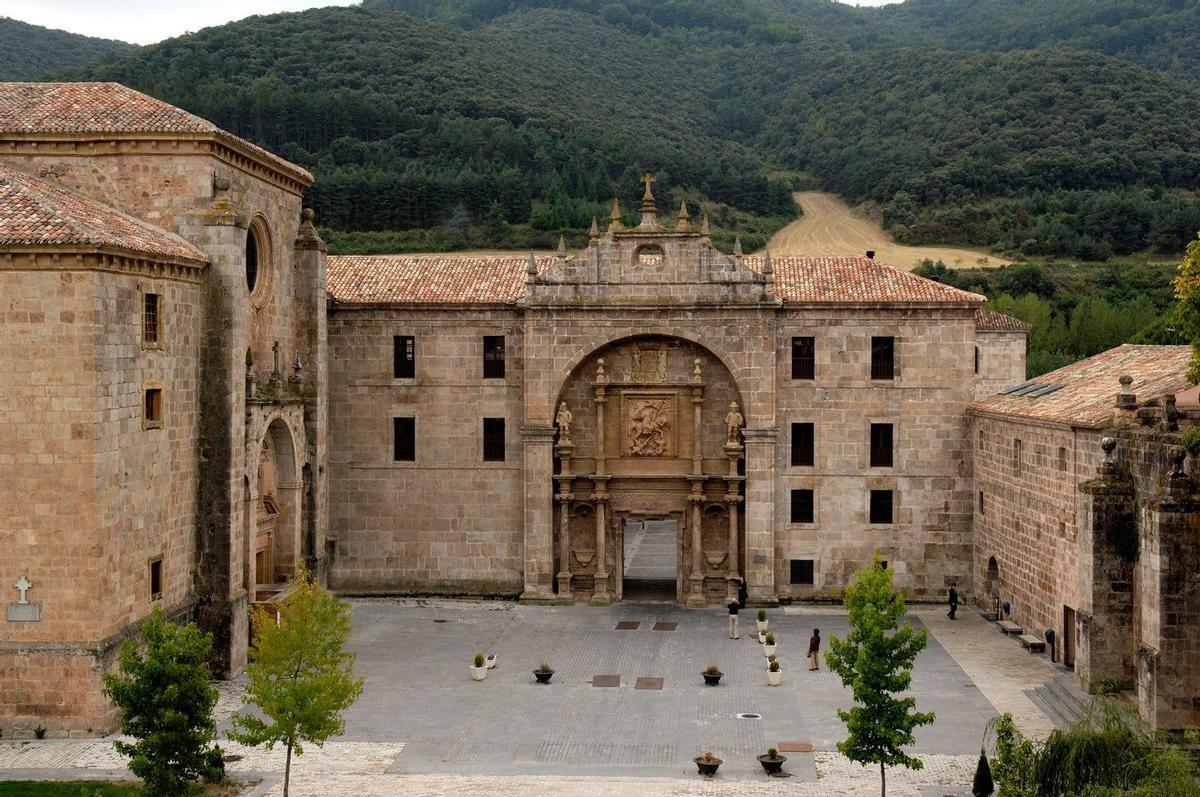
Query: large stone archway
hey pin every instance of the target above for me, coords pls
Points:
(275, 500)
(644, 435)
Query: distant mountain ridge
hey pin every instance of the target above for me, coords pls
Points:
(30, 52)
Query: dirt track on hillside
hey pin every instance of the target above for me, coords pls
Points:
(829, 227)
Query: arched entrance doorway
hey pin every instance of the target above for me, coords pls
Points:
(276, 506)
(648, 482)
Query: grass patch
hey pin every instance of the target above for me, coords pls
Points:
(97, 788)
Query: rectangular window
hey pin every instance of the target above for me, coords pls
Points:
(881, 507)
(493, 356)
(802, 506)
(150, 319)
(803, 453)
(156, 578)
(881, 445)
(883, 358)
(1062, 458)
(152, 408)
(404, 439)
(404, 357)
(804, 358)
(802, 572)
(1017, 455)
(493, 439)
(981, 502)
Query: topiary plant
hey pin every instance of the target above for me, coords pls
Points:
(479, 660)
(762, 615)
(770, 639)
(712, 669)
(774, 666)
(772, 753)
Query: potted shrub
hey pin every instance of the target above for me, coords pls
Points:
(769, 645)
(491, 661)
(761, 622)
(707, 763)
(762, 637)
(774, 674)
(543, 673)
(479, 668)
(712, 674)
(770, 659)
(772, 761)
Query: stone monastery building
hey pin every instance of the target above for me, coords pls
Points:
(195, 399)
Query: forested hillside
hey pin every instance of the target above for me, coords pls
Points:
(29, 52)
(434, 125)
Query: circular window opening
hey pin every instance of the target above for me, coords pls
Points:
(258, 260)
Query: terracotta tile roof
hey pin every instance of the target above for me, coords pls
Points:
(854, 280)
(31, 109)
(430, 279)
(1087, 391)
(37, 212)
(990, 321)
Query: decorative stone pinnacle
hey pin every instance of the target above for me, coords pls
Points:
(562, 247)
(648, 208)
(1126, 380)
(600, 369)
(768, 269)
(683, 211)
(696, 369)
(1177, 456)
(704, 230)
(1108, 467)
(593, 232)
(737, 246)
(531, 267)
(1108, 445)
(614, 216)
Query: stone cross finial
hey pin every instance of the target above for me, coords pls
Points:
(23, 587)
(648, 179)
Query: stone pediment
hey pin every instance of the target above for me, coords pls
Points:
(668, 265)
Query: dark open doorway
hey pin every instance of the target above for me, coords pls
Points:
(651, 554)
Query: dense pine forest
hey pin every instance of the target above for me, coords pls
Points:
(480, 123)
(28, 52)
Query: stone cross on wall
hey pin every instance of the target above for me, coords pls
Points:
(648, 179)
(23, 586)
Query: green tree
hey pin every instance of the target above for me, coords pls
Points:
(166, 704)
(300, 676)
(1187, 313)
(875, 661)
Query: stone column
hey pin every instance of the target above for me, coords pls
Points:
(696, 579)
(1167, 678)
(760, 515)
(734, 453)
(313, 451)
(601, 595)
(538, 459)
(564, 522)
(1105, 644)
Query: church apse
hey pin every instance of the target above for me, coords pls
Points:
(648, 429)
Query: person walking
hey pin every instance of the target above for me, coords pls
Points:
(953, 602)
(814, 647)
(734, 607)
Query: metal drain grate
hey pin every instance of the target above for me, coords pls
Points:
(749, 716)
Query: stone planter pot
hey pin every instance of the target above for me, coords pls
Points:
(762, 625)
(543, 676)
(769, 650)
(712, 679)
(774, 678)
(772, 765)
(490, 661)
(478, 673)
(707, 768)
(762, 637)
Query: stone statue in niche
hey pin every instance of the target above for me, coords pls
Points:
(649, 429)
(650, 364)
(734, 423)
(563, 422)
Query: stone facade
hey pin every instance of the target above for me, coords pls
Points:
(1086, 524)
(110, 508)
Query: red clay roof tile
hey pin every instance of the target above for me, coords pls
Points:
(990, 321)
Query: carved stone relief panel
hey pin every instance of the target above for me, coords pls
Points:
(649, 424)
(649, 362)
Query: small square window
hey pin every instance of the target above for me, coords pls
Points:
(493, 439)
(803, 572)
(156, 578)
(404, 439)
(803, 445)
(152, 408)
(404, 357)
(881, 507)
(804, 358)
(883, 358)
(493, 356)
(151, 319)
(802, 506)
(881, 445)
(1062, 458)
(883, 564)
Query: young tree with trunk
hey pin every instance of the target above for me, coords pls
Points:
(875, 660)
(300, 676)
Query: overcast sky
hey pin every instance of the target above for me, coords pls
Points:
(146, 21)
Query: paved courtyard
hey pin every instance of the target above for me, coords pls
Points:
(424, 727)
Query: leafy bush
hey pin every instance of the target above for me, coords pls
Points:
(1190, 440)
(166, 704)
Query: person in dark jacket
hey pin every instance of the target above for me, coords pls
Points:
(953, 602)
(743, 593)
(814, 649)
(733, 619)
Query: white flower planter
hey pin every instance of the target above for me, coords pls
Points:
(775, 678)
(491, 662)
(762, 625)
(478, 673)
(762, 637)
(769, 650)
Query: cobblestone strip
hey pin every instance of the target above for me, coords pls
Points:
(838, 777)
(996, 664)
